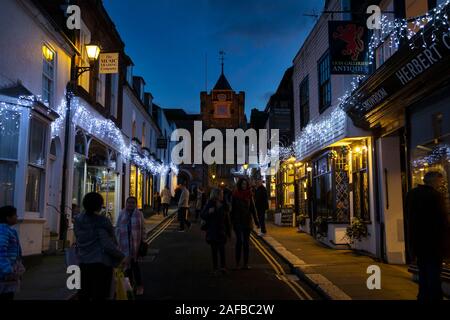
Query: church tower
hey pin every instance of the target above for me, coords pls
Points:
(222, 108)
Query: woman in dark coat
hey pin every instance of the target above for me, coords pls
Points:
(97, 250)
(217, 228)
(243, 214)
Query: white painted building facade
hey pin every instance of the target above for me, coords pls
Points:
(328, 145)
(30, 163)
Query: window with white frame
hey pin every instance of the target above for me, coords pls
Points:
(9, 154)
(48, 74)
(36, 165)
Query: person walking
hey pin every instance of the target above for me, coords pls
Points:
(178, 191)
(157, 203)
(218, 228)
(11, 267)
(242, 217)
(97, 249)
(183, 207)
(199, 203)
(262, 204)
(427, 225)
(166, 197)
(130, 235)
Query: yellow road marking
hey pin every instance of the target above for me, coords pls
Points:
(159, 230)
(280, 271)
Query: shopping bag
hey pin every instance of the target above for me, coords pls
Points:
(121, 290)
(128, 288)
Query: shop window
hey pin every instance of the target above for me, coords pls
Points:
(149, 193)
(36, 165)
(303, 191)
(288, 185)
(9, 137)
(80, 143)
(48, 74)
(430, 144)
(331, 187)
(273, 186)
(133, 175)
(304, 103)
(324, 195)
(324, 82)
(140, 188)
(360, 177)
(79, 167)
(341, 184)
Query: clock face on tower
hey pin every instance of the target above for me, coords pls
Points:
(222, 110)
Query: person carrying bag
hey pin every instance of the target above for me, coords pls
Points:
(97, 250)
(131, 236)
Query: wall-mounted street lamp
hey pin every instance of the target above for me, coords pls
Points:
(93, 53)
(245, 166)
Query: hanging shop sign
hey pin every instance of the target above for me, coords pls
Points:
(349, 48)
(109, 63)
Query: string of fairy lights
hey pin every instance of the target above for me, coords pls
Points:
(95, 125)
(393, 33)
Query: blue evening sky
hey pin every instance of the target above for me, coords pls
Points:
(168, 41)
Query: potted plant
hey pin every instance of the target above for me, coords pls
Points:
(301, 218)
(357, 231)
(321, 226)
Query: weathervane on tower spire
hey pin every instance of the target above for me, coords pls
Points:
(222, 58)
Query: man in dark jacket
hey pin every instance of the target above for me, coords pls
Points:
(262, 204)
(428, 224)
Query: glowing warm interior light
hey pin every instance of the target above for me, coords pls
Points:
(47, 53)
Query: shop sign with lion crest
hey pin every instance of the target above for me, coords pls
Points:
(349, 42)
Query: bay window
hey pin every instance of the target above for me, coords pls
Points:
(9, 138)
(36, 165)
